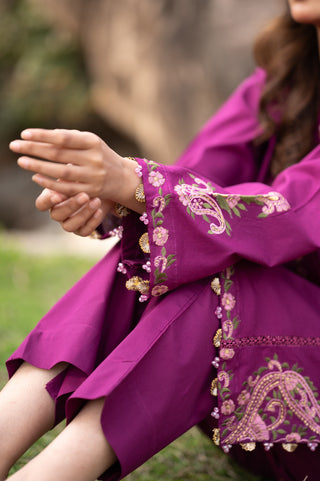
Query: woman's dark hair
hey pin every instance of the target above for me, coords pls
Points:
(289, 104)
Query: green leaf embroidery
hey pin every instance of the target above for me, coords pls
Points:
(225, 432)
(205, 217)
(159, 215)
(241, 206)
(170, 262)
(223, 204)
(236, 211)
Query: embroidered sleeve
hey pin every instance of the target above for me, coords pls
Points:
(197, 228)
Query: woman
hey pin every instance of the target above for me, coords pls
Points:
(224, 245)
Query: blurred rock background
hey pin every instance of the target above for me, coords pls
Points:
(143, 74)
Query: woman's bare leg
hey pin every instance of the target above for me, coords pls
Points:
(80, 452)
(26, 412)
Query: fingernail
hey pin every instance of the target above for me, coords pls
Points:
(94, 203)
(26, 134)
(37, 178)
(97, 214)
(23, 162)
(82, 198)
(15, 145)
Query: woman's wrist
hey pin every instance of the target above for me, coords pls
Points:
(131, 194)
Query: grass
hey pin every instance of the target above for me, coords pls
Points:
(29, 286)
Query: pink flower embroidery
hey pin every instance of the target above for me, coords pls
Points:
(233, 200)
(293, 438)
(226, 353)
(228, 301)
(274, 201)
(156, 178)
(227, 407)
(243, 398)
(159, 290)
(138, 170)
(183, 198)
(160, 236)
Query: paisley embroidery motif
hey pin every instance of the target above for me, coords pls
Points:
(201, 199)
(277, 404)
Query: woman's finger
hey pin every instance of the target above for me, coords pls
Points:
(71, 139)
(47, 199)
(66, 188)
(50, 152)
(62, 211)
(91, 224)
(78, 222)
(69, 172)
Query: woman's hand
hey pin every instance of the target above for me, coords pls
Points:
(78, 162)
(78, 214)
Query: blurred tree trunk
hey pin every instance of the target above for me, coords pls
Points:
(158, 69)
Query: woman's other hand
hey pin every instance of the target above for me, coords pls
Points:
(78, 214)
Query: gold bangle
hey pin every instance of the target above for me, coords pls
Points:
(139, 194)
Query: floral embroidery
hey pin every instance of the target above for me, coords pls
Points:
(156, 179)
(293, 438)
(160, 234)
(138, 170)
(159, 290)
(273, 201)
(277, 404)
(227, 353)
(228, 301)
(227, 407)
(201, 199)
(136, 283)
(243, 398)
(233, 200)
